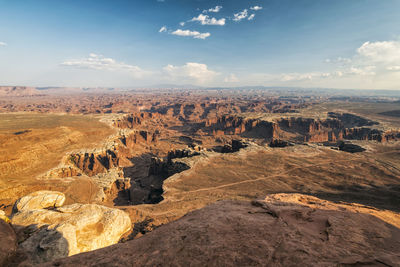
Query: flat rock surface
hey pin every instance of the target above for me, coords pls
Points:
(282, 230)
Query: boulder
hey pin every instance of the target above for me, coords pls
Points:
(71, 229)
(39, 200)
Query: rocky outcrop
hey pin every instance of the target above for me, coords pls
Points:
(68, 230)
(63, 172)
(39, 200)
(351, 148)
(282, 230)
(8, 242)
(391, 136)
(95, 163)
(183, 153)
(279, 143)
(337, 126)
(139, 137)
(233, 147)
(233, 125)
(135, 119)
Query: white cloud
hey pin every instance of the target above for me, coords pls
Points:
(393, 68)
(163, 29)
(365, 71)
(286, 77)
(251, 17)
(3, 44)
(194, 34)
(182, 23)
(241, 15)
(340, 60)
(231, 78)
(386, 52)
(206, 20)
(190, 72)
(101, 63)
(373, 65)
(256, 8)
(215, 9)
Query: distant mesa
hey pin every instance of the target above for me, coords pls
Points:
(19, 91)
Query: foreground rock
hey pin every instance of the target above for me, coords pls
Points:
(283, 230)
(69, 230)
(8, 242)
(40, 200)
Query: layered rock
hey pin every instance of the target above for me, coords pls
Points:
(39, 200)
(94, 163)
(134, 119)
(232, 125)
(139, 137)
(337, 126)
(68, 230)
(282, 230)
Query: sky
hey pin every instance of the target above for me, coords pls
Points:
(352, 44)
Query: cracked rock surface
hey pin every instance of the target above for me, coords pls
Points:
(281, 230)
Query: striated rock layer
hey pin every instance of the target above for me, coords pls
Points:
(39, 200)
(282, 230)
(69, 230)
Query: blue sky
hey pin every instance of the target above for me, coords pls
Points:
(309, 43)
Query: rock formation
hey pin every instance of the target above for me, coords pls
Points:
(282, 230)
(8, 242)
(68, 230)
(337, 126)
(39, 200)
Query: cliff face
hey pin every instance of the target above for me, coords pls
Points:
(335, 127)
(232, 125)
(134, 119)
(139, 137)
(92, 163)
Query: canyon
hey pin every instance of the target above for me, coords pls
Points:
(156, 156)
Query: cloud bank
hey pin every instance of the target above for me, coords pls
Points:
(101, 63)
(190, 72)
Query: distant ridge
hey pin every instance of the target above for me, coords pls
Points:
(18, 91)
